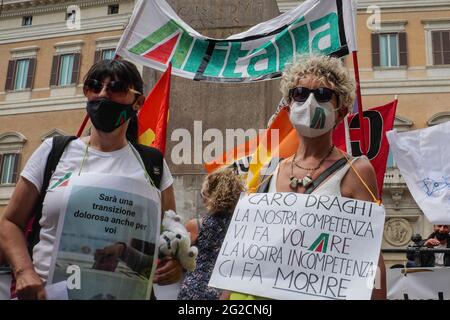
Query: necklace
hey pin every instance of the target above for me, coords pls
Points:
(306, 180)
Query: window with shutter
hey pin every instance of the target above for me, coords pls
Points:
(9, 85)
(97, 56)
(390, 53)
(403, 49)
(76, 68)
(8, 169)
(11, 146)
(21, 74)
(66, 65)
(55, 71)
(31, 73)
(375, 50)
(441, 47)
(108, 54)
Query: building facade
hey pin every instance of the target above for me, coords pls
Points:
(47, 46)
(404, 51)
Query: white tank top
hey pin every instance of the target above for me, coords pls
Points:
(331, 186)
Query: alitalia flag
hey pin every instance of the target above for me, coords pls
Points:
(156, 36)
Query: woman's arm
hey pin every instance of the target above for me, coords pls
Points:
(13, 243)
(169, 270)
(192, 228)
(352, 187)
(168, 199)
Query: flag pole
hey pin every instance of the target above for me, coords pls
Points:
(83, 125)
(360, 107)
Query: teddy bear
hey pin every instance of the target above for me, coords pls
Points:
(175, 241)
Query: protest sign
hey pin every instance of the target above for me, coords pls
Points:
(296, 246)
(156, 35)
(418, 284)
(423, 157)
(106, 238)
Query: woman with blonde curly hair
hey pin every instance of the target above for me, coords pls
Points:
(319, 93)
(220, 192)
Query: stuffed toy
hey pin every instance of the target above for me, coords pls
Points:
(175, 241)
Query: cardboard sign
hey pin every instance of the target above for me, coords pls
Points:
(296, 246)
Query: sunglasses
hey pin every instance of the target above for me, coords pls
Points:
(301, 94)
(112, 86)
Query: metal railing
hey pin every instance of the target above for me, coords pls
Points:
(417, 250)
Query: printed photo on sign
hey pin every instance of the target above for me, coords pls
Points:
(107, 240)
(296, 246)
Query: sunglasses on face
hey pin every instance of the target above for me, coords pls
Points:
(301, 94)
(112, 86)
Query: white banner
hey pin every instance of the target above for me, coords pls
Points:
(106, 238)
(156, 35)
(296, 246)
(423, 157)
(418, 284)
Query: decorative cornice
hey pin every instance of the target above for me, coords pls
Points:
(385, 5)
(402, 123)
(53, 133)
(25, 52)
(405, 86)
(439, 118)
(20, 8)
(12, 138)
(43, 105)
(98, 24)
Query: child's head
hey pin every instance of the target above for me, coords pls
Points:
(221, 190)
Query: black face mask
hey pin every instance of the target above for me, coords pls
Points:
(107, 115)
(441, 236)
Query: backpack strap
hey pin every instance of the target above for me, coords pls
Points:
(59, 144)
(324, 175)
(153, 161)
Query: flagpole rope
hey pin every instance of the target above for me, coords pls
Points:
(376, 200)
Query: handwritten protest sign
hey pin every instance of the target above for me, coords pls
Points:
(106, 238)
(295, 246)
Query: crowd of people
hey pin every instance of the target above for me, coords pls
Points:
(114, 90)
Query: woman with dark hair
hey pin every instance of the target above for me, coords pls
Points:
(114, 92)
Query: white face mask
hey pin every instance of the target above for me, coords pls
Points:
(312, 119)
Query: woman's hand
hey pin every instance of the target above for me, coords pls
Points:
(29, 286)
